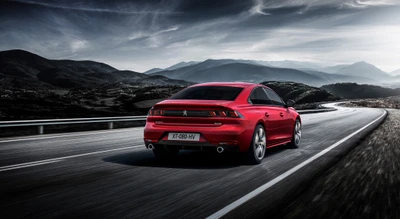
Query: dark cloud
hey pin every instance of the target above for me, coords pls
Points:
(201, 10)
(142, 34)
(105, 6)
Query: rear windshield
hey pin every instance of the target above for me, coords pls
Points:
(208, 93)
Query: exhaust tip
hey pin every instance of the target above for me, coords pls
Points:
(220, 149)
(150, 146)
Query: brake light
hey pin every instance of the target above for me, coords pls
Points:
(154, 112)
(233, 114)
(225, 113)
(212, 113)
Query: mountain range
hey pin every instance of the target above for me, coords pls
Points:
(24, 69)
(27, 69)
(256, 71)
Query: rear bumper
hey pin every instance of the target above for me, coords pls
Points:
(195, 147)
(230, 137)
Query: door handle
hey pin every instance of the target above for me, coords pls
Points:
(266, 115)
(281, 114)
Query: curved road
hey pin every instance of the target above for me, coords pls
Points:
(111, 174)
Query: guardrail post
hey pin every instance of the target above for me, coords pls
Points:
(110, 125)
(40, 129)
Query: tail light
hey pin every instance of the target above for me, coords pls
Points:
(206, 113)
(153, 112)
(225, 113)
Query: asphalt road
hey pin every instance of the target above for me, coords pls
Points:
(110, 174)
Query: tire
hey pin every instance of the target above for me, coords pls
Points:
(258, 146)
(296, 138)
(164, 154)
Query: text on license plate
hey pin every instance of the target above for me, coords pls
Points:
(184, 136)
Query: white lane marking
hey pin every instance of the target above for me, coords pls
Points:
(52, 160)
(71, 135)
(274, 181)
(19, 166)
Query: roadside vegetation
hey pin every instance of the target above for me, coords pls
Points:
(121, 100)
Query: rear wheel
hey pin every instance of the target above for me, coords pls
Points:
(296, 135)
(165, 154)
(258, 146)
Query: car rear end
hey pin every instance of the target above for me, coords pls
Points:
(197, 118)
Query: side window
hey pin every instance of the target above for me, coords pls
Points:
(253, 97)
(275, 99)
(258, 96)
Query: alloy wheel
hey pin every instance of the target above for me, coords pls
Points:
(259, 143)
(297, 133)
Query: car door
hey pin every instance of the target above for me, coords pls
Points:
(285, 117)
(270, 115)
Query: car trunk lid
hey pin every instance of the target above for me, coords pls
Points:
(190, 112)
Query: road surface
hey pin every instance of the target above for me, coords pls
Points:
(110, 174)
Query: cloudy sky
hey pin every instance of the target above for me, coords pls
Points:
(142, 34)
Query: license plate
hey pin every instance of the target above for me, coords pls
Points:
(184, 136)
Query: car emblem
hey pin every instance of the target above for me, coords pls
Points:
(184, 113)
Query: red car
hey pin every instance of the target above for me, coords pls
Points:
(223, 116)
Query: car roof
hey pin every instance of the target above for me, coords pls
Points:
(227, 84)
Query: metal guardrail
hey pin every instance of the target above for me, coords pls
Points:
(316, 110)
(110, 120)
(41, 123)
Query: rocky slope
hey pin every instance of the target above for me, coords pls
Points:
(300, 93)
(357, 91)
(118, 99)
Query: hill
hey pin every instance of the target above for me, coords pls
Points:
(336, 78)
(22, 69)
(334, 69)
(103, 100)
(290, 64)
(172, 67)
(207, 64)
(357, 91)
(300, 93)
(364, 69)
(153, 70)
(181, 65)
(395, 73)
(33, 63)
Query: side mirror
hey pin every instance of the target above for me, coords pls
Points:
(290, 103)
